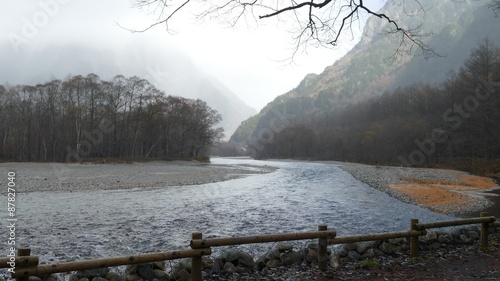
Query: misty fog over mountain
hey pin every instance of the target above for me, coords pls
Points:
(376, 105)
(164, 66)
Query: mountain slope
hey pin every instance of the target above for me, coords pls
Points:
(371, 68)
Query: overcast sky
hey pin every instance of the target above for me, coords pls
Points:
(247, 59)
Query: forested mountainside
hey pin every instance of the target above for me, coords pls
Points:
(373, 67)
(371, 107)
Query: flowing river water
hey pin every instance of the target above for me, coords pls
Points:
(297, 197)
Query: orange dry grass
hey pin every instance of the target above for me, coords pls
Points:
(430, 195)
(420, 181)
(478, 182)
(443, 196)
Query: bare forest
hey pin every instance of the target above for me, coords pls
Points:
(84, 117)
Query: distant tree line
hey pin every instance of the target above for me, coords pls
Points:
(86, 117)
(415, 125)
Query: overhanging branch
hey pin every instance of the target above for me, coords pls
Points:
(164, 21)
(320, 22)
(406, 33)
(311, 4)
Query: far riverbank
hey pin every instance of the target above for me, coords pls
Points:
(35, 177)
(440, 190)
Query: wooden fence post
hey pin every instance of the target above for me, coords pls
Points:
(322, 250)
(196, 261)
(23, 252)
(483, 238)
(413, 239)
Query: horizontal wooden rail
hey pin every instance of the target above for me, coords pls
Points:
(42, 270)
(19, 261)
(422, 226)
(26, 265)
(377, 236)
(216, 242)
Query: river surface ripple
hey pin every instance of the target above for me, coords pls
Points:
(297, 197)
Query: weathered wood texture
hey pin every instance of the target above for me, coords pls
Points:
(374, 237)
(266, 238)
(455, 222)
(20, 261)
(322, 249)
(414, 248)
(42, 270)
(196, 261)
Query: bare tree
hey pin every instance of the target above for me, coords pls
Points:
(495, 5)
(312, 22)
(86, 117)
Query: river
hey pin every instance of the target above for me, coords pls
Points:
(297, 197)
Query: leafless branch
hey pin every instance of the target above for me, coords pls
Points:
(320, 22)
(311, 4)
(495, 6)
(410, 34)
(162, 5)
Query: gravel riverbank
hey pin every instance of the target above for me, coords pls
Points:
(454, 192)
(33, 177)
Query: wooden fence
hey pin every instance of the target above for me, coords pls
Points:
(27, 265)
